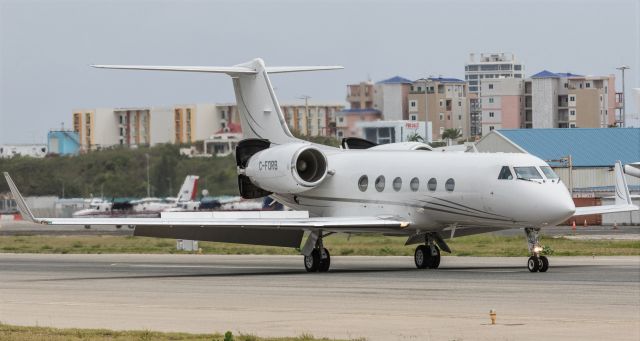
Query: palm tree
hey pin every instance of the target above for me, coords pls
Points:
(415, 137)
(451, 134)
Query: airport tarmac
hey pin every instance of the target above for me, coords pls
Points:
(380, 298)
(12, 228)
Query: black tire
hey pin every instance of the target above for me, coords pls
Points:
(434, 260)
(421, 257)
(312, 262)
(544, 264)
(533, 264)
(325, 262)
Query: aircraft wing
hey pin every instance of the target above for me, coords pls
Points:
(604, 209)
(623, 201)
(279, 228)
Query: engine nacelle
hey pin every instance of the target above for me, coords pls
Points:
(289, 168)
(633, 169)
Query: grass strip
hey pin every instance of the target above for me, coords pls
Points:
(339, 245)
(18, 333)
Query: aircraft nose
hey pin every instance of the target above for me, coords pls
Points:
(560, 207)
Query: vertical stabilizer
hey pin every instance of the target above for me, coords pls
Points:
(189, 189)
(260, 113)
(623, 197)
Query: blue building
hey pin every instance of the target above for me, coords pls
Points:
(63, 142)
(593, 152)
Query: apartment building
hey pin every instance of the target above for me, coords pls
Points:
(442, 101)
(360, 95)
(390, 98)
(312, 118)
(131, 127)
(487, 66)
(502, 104)
(567, 100)
(186, 123)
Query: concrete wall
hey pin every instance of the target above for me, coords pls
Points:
(105, 128)
(545, 103)
(161, 125)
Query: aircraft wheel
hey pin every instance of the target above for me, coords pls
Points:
(325, 261)
(533, 264)
(544, 264)
(434, 260)
(312, 262)
(421, 257)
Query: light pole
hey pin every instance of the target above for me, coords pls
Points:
(148, 182)
(306, 115)
(624, 97)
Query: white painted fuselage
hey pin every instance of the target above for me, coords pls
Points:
(478, 197)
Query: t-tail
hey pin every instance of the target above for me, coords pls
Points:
(260, 113)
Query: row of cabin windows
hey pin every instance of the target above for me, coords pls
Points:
(414, 184)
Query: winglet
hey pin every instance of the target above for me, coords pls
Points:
(623, 197)
(22, 205)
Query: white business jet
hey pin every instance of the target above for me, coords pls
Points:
(401, 189)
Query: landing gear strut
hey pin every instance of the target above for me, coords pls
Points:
(535, 263)
(427, 256)
(319, 259)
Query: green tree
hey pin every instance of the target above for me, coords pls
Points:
(415, 137)
(451, 134)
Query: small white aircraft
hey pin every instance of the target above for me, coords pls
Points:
(400, 189)
(145, 207)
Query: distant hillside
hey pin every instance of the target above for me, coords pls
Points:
(119, 172)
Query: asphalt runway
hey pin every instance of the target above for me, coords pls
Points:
(380, 298)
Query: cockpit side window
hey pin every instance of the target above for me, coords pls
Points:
(505, 174)
(527, 173)
(549, 173)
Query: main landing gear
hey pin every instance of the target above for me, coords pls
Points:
(536, 263)
(427, 256)
(318, 259)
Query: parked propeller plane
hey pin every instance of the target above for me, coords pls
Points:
(400, 189)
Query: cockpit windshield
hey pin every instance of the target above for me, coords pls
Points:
(505, 174)
(549, 173)
(527, 173)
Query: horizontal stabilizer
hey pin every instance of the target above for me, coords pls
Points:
(230, 70)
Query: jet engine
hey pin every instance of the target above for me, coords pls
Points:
(633, 169)
(289, 168)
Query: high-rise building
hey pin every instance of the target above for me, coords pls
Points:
(502, 104)
(566, 100)
(487, 66)
(360, 96)
(390, 98)
(442, 101)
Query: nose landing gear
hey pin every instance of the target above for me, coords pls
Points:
(535, 263)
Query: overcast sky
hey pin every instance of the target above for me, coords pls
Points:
(45, 47)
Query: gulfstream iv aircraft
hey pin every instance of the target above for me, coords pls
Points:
(402, 189)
